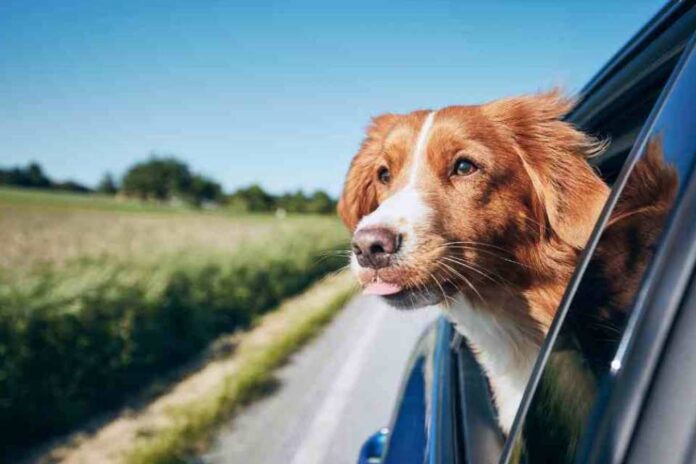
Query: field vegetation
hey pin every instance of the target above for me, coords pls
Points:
(236, 369)
(99, 297)
(170, 180)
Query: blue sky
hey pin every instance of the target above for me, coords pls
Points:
(276, 93)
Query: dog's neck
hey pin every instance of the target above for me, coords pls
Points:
(505, 353)
(505, 326)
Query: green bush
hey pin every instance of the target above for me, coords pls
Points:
(77, 341)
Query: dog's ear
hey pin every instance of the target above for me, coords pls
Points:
(651, 187)
(570, 195)
(359, 196)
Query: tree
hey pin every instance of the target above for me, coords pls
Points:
(71, 186)
(169, 179)
(204, 190)
(31, 176)
(107, 185)
(292, 202)
(253, 198)
(320, 203)
(158, 179)
(35, 176)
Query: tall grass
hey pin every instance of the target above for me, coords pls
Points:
(190, 426)
(82, 329)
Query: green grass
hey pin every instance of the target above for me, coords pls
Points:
(52, 199)
(96, 303)
(44, 198)
(40, 230)
(192, 424)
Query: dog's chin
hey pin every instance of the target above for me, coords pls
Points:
(415, 298)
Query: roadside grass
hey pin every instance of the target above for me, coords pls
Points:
(96, 304)
(179, 425)
(193, 424)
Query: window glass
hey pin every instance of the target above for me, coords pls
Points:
(581, 357)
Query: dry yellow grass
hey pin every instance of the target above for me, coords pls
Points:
(34, 236)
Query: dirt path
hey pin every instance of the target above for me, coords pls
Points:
(334, 394)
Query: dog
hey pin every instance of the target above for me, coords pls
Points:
(482, 210)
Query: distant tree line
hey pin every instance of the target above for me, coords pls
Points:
(167, 179)
(255, 199)
(33, 177)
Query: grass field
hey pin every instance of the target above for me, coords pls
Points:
(97, 295)
(42, 230)
(24, 197)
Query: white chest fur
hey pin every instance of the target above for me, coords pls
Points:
(506, 354)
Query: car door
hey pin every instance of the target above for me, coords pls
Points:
(593, 378)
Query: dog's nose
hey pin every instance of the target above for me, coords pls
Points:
(374, 247)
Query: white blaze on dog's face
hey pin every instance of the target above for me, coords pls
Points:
(399, 214)
(443, 202)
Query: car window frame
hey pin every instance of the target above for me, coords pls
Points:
(665, 430)
(479, 430)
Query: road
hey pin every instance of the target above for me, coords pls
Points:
(332, 395)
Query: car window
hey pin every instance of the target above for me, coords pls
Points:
(582, 357)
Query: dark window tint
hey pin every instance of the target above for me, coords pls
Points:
(620, 122)
(582, 357)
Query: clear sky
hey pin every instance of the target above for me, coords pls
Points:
(276, 93)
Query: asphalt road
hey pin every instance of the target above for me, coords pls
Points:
(332, 395)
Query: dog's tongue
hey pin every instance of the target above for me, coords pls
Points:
(381, 288)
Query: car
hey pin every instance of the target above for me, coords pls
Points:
(614, 380)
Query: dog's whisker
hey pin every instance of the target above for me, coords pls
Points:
(471, 242)
(424, 287)
(444, 294)
(487, 252)
(467, 281)
(470, 266)
(339, 270)
(410, 295)
(504, 283)
(334, 252)
(328, 254)
(480, 248)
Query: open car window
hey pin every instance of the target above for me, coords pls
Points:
(579, 359)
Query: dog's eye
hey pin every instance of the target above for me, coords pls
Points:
(464, 167)
(383, 175)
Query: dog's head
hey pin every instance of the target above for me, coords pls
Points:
(459, 200)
